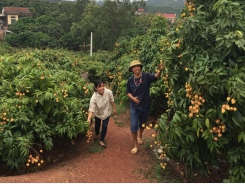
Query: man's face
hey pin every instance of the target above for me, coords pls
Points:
(136, 69)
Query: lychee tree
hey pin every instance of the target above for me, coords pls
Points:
(204, 74)
(43, 98)
(148, 49)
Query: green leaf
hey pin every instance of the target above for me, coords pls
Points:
(9, 141)
(198, 132)
(207, 123)
(211, 113)
(237, 118)
(243, 138)
(240, 80)
(240, 136)
(176, 118)
(177, 133)
(201, 79)
(194, 123)
(235, 121)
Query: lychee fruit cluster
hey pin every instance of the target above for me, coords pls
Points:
(168, 93)
(150, 125)
(19, 94)
(4, 118)
(218, 130)
(196, 100)
(190, 7)
(227, 107)
(65, 93)
(159, 150)
(89, 134)
(35, 160)
(165, 79)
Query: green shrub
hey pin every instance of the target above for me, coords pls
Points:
(204, 60)
(43, 97)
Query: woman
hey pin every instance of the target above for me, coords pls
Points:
(101, 104)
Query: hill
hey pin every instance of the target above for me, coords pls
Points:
(176, 4)
(166, 3)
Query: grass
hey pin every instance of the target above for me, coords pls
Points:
(96, 148)
(164, 176)
(121, 107)
(154, 173)
(120, 124)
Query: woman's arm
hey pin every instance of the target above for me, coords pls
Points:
(91, 110)
(90, 115)
(111, 98)
(114, 108)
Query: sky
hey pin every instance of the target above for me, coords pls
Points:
(130, 0)
(112, 0)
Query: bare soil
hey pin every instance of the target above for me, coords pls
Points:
(81, 162)
(76, 164)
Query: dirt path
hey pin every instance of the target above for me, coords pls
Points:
(114, 165)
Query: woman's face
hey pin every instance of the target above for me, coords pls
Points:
(100, 89)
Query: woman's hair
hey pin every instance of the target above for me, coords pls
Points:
(97, 83)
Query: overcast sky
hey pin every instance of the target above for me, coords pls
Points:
(111, 0)
(122, 0)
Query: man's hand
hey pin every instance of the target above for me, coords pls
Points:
(135, 99)
(160, 67)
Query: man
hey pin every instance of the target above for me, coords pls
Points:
(138, 90)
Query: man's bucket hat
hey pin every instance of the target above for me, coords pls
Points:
(134, 63)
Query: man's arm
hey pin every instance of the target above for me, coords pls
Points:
(159, 71)
(135, 99)
(158, 74)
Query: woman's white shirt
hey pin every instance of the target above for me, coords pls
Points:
(100, 105)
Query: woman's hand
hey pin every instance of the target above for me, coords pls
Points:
(90, 115)
(115, 113)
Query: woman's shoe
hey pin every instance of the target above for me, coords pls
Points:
(102, 144)
(96, 137)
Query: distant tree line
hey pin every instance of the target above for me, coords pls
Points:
(165, 6)
(163, 9)
(69, 24)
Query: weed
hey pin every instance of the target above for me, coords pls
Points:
(95, 148)
(155, 173)
(147, 143)
(121, 107)
(120, 124)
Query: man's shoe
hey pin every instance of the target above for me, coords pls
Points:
(140, 140)
(134, 150)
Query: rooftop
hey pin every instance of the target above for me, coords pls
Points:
(16, 10)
